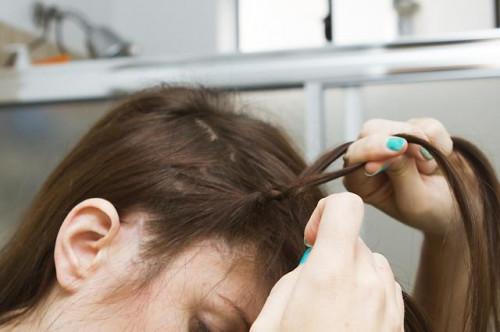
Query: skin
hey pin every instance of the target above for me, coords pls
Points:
(96, 258)
(343, 286)
(96, 253)
(412, 190)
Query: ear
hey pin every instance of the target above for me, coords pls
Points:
(85, 235)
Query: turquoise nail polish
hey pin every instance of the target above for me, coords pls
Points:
(425, 153)
(305, 256)
(396, 143)
(380, 170)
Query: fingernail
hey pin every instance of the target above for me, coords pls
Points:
(307, 244)
(396, 143)
(305, 256)
(380, 170)
(425, 153)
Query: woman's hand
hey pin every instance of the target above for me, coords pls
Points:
(404, 180)
(342, 287)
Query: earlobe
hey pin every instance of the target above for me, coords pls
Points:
(85, 235)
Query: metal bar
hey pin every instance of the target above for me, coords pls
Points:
(237, 24)
(353, 112)
(314, 120)
(353, 120)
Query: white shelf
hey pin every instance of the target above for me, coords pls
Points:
(461, 57)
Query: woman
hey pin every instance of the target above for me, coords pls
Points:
(175, 212)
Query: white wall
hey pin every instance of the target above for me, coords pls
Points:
(288, 24)
(281, 24)
(173, 27)
(358, 21)
(362, 21)
(444, 16)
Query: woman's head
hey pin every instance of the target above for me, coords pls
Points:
(171, 177)
(177, 211)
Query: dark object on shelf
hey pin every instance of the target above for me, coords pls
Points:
(406, 10)
(327, 21)
(497, 13)
(101, 42)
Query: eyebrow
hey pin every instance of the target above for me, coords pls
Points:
(238, 309)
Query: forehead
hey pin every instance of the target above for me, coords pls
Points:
(211, 271)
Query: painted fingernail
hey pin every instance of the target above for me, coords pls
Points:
(396, 143)
(380, 170)
(305, 256)
(307, 244)
(425, 153)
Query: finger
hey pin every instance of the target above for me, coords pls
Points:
(373, 168)
(407, 182)
(399, 300)
(376, 147)
(402, 170)
(312, 225)
(389, 127)
(436, 133)
(334, 229)
(385, 272)
(371, 183)
(438, 137)
(365, 260)
(394, 300)
(373, 149)
(270, 316)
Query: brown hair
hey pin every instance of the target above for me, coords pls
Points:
(202, 169)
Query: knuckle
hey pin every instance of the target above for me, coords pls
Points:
(370, 282)
(328, 275)
(371, 147)
(398, 288)
(416, 131)
(323, 278)
(434, 127)
(322, 202)
(381, 260)
(347, 201)
(400, 165)
(351, 199)
(350, 151)
(369, 127)
(417, 122)
(377, 294)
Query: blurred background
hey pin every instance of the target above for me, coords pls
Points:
(59, 63)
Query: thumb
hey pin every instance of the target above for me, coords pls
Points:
(407, 182)
(269, 319)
